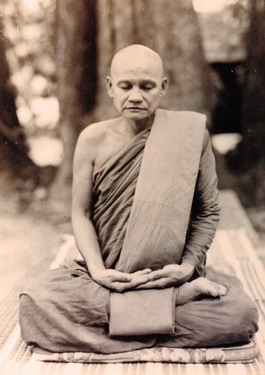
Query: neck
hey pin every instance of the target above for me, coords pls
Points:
(134, 127)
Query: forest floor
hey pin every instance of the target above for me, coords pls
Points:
(30, 238)
(256, 213)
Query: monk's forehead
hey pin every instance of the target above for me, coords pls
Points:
(134, 59)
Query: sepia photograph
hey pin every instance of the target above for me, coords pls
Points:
(132, 187)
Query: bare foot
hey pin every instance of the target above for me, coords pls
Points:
(208, 287)
(189, 291)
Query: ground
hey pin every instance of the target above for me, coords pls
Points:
(29, 239)
(256, 214)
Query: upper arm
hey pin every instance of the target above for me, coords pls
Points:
(83, 174)
(206, 192)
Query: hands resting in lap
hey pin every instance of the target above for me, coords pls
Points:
(170, 275)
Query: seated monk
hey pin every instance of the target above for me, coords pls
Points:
(145, 210)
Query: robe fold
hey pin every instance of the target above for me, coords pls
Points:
(65, 310)
(114, 185)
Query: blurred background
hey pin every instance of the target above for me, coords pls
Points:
(54, 56)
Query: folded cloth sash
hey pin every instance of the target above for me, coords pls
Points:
(158, 221)
(142, 312)
(160, 213)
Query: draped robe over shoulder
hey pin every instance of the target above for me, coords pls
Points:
(65, 310)
(142, 209)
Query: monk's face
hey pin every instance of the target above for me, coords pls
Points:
(136, 83)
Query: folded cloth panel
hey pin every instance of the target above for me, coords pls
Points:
(142, 312)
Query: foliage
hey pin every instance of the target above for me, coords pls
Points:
(29, 31)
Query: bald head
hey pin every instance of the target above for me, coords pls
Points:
(136, 83)
(137, 57)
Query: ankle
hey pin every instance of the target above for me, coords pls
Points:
(185, 293)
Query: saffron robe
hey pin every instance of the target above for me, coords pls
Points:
(65, 310)
(181, 215)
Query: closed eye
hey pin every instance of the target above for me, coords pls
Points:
(147, 87)
(125, 86)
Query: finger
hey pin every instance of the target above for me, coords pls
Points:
(119, 287)
(121, 276)
(141, 283)
(123, 287)
(116, 288)
(139, 280)
(142, 272)
(155, 275)
(120, 279)
(164, 272)
(161, 283)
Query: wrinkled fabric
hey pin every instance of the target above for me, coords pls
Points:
(65, 310)
(114, 184)
(164, 209)
(160, 212)
(142, 312)
(205, 211)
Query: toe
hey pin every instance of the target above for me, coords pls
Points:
(218, 290)
(222, 290)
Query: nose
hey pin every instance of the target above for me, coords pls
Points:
(135, 95)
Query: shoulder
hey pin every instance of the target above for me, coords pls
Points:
(96, 131)
(95, 134)
(192, 117)
(192, 123)
(90, 140)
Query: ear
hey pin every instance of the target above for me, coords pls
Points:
(109, 86)
(164, 86)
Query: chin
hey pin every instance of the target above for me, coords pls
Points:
(136, 116)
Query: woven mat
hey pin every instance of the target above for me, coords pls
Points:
(231, 247)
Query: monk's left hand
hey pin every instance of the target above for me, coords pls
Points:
(170, 275)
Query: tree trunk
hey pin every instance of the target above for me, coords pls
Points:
(254, 109)
(170, 28)
(250, 156)
(13, 149)
(85, 49)
(77, 81)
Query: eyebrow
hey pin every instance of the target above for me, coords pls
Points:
(145, 81)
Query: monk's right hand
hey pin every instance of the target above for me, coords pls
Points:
(120, 281)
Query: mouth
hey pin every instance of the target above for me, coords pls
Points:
(135, 108)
